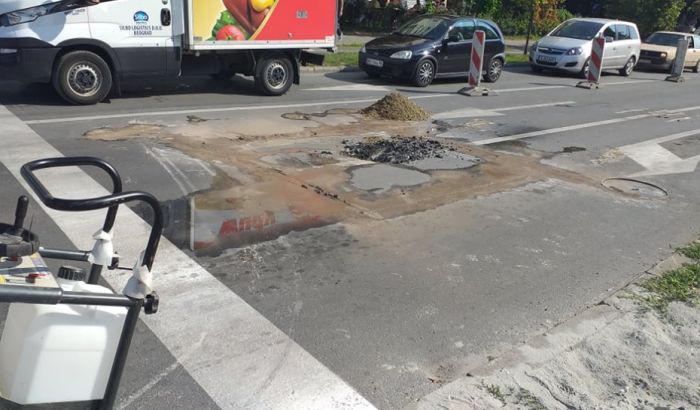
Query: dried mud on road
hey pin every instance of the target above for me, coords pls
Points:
(330, 167)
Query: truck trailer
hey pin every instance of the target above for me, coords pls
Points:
(88, 48)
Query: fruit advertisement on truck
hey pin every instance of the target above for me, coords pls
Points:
(245, 23)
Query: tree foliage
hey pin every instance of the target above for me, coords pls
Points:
(650, 15)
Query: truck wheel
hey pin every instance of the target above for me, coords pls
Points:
(82, 78)
(274, 75)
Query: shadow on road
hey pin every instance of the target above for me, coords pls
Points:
(44, 95)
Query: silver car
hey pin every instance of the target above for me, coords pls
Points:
(568, 47)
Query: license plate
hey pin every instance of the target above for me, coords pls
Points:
(546, 59)
(644, 61)
(375, 63)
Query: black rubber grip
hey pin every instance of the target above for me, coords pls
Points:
(20, 214)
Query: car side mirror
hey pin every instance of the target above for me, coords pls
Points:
(608, 39)
(452, 39)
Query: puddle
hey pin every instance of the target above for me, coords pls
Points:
(383, 177)
(449, 160)
(634, 187)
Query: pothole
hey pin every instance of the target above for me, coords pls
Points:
(635, 187)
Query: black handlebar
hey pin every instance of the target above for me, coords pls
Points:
(109, 201)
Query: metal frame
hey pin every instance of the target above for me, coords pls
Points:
(57, 295)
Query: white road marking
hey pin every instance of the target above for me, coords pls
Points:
(559, 129)
(678, 119)
(657, 160)
(184, 184)
(235, 354)
(476, 112)
(580, 126)
(466, 113)
(603, 83)
(633, 110)
(527, 107)
(351, 87)
(542, 87)
(280, 106)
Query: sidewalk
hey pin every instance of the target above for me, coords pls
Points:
(619, 354)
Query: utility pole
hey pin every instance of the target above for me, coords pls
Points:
(529, 27)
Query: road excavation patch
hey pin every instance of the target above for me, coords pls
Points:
(357, 169)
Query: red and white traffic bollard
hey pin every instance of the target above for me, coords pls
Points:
(595, 66)
(476, 65)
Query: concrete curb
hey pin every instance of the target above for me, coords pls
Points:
(354, 68)
(329, 69)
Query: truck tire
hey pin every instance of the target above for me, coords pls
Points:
(82, 78)
(274, 74)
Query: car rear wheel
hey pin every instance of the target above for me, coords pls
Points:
(494, 70)
(627, 69)
(696, 69)
(424, 74)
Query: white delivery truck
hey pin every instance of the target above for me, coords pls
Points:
(88, 48)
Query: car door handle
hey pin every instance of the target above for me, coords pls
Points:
(165, 17)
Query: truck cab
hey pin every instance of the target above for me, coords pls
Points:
(87, 48)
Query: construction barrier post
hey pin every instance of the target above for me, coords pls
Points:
(679, 62)
(476, 66)
(595, 66)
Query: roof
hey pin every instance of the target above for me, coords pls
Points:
(598, 20)
(679, 33)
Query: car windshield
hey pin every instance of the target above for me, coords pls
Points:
(582, 30)
(430, 27)
(664, 39)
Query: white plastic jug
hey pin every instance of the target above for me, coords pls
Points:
(59, 353)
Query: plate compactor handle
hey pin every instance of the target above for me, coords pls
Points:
(15, 241)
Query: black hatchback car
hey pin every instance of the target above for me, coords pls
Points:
(433, 46)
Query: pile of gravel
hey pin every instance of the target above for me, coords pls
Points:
(396, 150)
(395, 107)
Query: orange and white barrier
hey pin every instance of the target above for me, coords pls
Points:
(595, 66)
(477, 58)
(476, 66)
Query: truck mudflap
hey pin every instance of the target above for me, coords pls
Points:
(308, 57)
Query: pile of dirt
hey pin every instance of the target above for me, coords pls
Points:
(396, 150)
(395, 107)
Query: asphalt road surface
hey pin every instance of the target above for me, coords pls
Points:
(376, 312)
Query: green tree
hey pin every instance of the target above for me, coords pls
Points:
(650, 15)
(481, 8)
